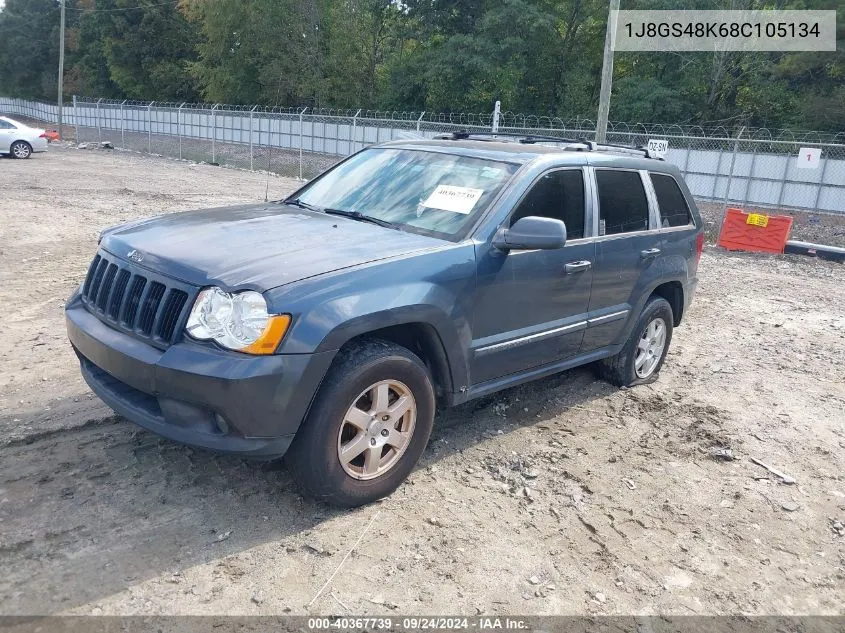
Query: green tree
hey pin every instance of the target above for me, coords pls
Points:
(29, 59)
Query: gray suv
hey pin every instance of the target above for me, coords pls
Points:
(328, 327)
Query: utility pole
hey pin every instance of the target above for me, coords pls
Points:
(61, 69)
(606, 73)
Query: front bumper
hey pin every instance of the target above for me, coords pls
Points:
(197, 394)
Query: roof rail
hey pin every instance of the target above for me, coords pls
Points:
(586, 144)
(603, 147)
(462, 135)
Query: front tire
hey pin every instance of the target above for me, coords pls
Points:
(21, 149)
(368, 426)
(640, 360)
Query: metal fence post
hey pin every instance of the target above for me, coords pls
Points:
(748, 179)
(179, 127)
(788, 157)
(821, 182)
(716, 173)
(354, 125)
(99, 130)
(420, 119)
(214, 133)
(75, 119)
(300, 142)
(731, 172)
(150, 128)
(122, 125)
(250, 139)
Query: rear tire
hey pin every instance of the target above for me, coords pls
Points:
(20, 149)
(640, 360)
(368, 425)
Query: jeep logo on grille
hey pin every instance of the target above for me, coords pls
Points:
(135, 256)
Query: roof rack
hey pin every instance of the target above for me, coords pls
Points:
(592, 146)
(528, 139)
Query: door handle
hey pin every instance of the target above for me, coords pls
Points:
(651, 252)
(577, 267)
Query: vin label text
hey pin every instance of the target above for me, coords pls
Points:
(724, 30)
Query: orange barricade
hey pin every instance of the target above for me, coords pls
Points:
(754, 232)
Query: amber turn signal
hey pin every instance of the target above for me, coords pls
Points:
(272, 335)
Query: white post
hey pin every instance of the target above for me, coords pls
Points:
(76, 118)
(179, 127)
(99, 131)
(497, 111)
(422, 114)
(150, 128)
(250, 137)
(300, 142)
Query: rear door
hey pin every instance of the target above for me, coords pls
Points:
(530, 307)
(625, 248)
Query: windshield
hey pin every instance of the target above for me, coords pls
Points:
(426, 192)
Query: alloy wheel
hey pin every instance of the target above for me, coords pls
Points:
(21, 150)
(376, 429)
(650, 348)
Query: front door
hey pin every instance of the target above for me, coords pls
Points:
(531, 306)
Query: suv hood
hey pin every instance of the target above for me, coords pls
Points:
(256, 246)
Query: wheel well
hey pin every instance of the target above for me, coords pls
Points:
(422, 339)
(673, 292)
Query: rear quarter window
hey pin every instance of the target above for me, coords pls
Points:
(674, 210)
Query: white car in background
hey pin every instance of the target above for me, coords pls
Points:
(20, 140)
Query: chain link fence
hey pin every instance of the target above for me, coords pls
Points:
(747, 167)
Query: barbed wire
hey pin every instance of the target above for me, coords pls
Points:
(507, 119)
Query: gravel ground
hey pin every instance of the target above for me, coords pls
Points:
(565, 496)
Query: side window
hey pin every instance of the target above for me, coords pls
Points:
(623, 206)
(5, 125)
(673, 207)
(558, 195)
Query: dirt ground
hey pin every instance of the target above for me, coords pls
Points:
(565, 496)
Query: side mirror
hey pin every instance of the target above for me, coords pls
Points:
(531, 233)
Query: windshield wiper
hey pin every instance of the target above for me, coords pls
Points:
(357, 215)
(302, 205)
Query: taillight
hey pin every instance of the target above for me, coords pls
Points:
(44, 135)
(699, 246)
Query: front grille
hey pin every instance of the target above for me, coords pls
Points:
(136, 301)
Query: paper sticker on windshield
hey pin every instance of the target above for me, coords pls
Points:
(454, 199)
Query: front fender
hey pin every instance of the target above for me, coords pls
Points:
(329, 311)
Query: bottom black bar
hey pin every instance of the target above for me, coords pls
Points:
(374, 624)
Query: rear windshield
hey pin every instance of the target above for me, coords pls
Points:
(424, 192)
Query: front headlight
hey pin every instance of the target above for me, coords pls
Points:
(237, 321)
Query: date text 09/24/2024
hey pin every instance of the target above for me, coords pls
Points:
(421, 623)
